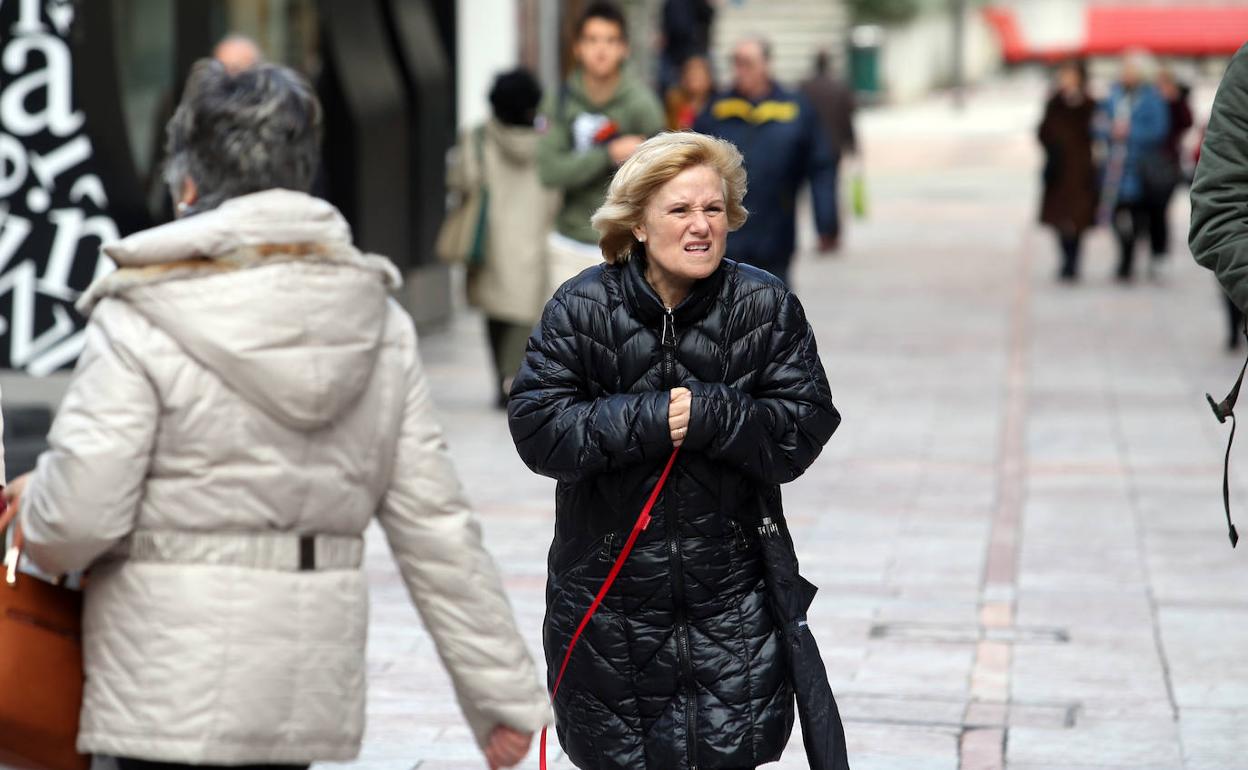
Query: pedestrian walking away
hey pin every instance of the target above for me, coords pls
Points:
(834, 102)
(509, 284)
(784, 147)
(1134, 121)
(669, 344)
(1070, 183)
(591, 125)
(249, 398)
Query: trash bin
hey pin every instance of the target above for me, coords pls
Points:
(865, 42)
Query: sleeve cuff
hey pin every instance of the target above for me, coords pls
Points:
(701, 415)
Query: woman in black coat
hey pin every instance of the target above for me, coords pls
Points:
(1070, 186)
(667, 345)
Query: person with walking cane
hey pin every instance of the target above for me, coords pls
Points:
(673, 381)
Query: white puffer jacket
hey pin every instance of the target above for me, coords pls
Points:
(246, 381)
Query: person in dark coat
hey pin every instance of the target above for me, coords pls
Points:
(833, 101)
(1070, 188)
(835, 105)
(784, 146)
(670, 345)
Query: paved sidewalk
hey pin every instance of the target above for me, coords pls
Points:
(1017, 531)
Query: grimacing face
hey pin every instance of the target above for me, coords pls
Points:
(685, 225)
(601, 49)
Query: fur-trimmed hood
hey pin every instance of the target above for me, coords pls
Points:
(267, 292)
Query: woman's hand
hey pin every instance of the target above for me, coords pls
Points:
(507, 747)
(678, 414)
(13, 492)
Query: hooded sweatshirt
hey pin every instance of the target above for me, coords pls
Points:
(247, 388)
(572, 155)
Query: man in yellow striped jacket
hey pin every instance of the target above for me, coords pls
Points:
(778, 132)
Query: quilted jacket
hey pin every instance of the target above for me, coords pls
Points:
(681, 668)
(245, 378)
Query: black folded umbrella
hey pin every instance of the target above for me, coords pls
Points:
(791, 596)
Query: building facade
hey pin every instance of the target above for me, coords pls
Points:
(87, 86)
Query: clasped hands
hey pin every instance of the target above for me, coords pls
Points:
(678, 411)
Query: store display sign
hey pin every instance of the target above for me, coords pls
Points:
(53, 206)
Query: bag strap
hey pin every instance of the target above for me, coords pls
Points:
(643, 521)
(478, 145)
(1223, 410)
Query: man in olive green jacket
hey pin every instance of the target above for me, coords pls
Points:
(592, 125)
(1219, 234)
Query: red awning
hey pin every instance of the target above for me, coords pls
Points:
(1174, 30)
(1214, 30)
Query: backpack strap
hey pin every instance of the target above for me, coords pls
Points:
(1223, 410)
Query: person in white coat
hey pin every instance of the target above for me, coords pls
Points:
(249, 398)
(510, 285)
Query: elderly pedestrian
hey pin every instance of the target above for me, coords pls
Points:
(1136, 122)
(248, 400)
(1070, 185)
(669, 345)
(783, 142)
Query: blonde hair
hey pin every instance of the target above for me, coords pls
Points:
(656, 162)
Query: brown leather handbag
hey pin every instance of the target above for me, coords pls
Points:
(40, 667)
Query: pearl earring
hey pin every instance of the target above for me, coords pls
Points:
(641, 238)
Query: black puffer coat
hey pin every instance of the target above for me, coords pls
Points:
(681, 668)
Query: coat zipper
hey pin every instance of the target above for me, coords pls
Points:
(669, 348)
(678, 573)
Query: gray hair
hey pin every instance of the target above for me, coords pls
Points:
(240, 133)
(763, 43)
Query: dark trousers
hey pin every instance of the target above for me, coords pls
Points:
(1133, 222)
(1159, 229)
(507, 343)
(1071, 244)
(142, 764)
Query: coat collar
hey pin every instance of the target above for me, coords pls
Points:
(646, 305)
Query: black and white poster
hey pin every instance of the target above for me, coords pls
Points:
(53, 204)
